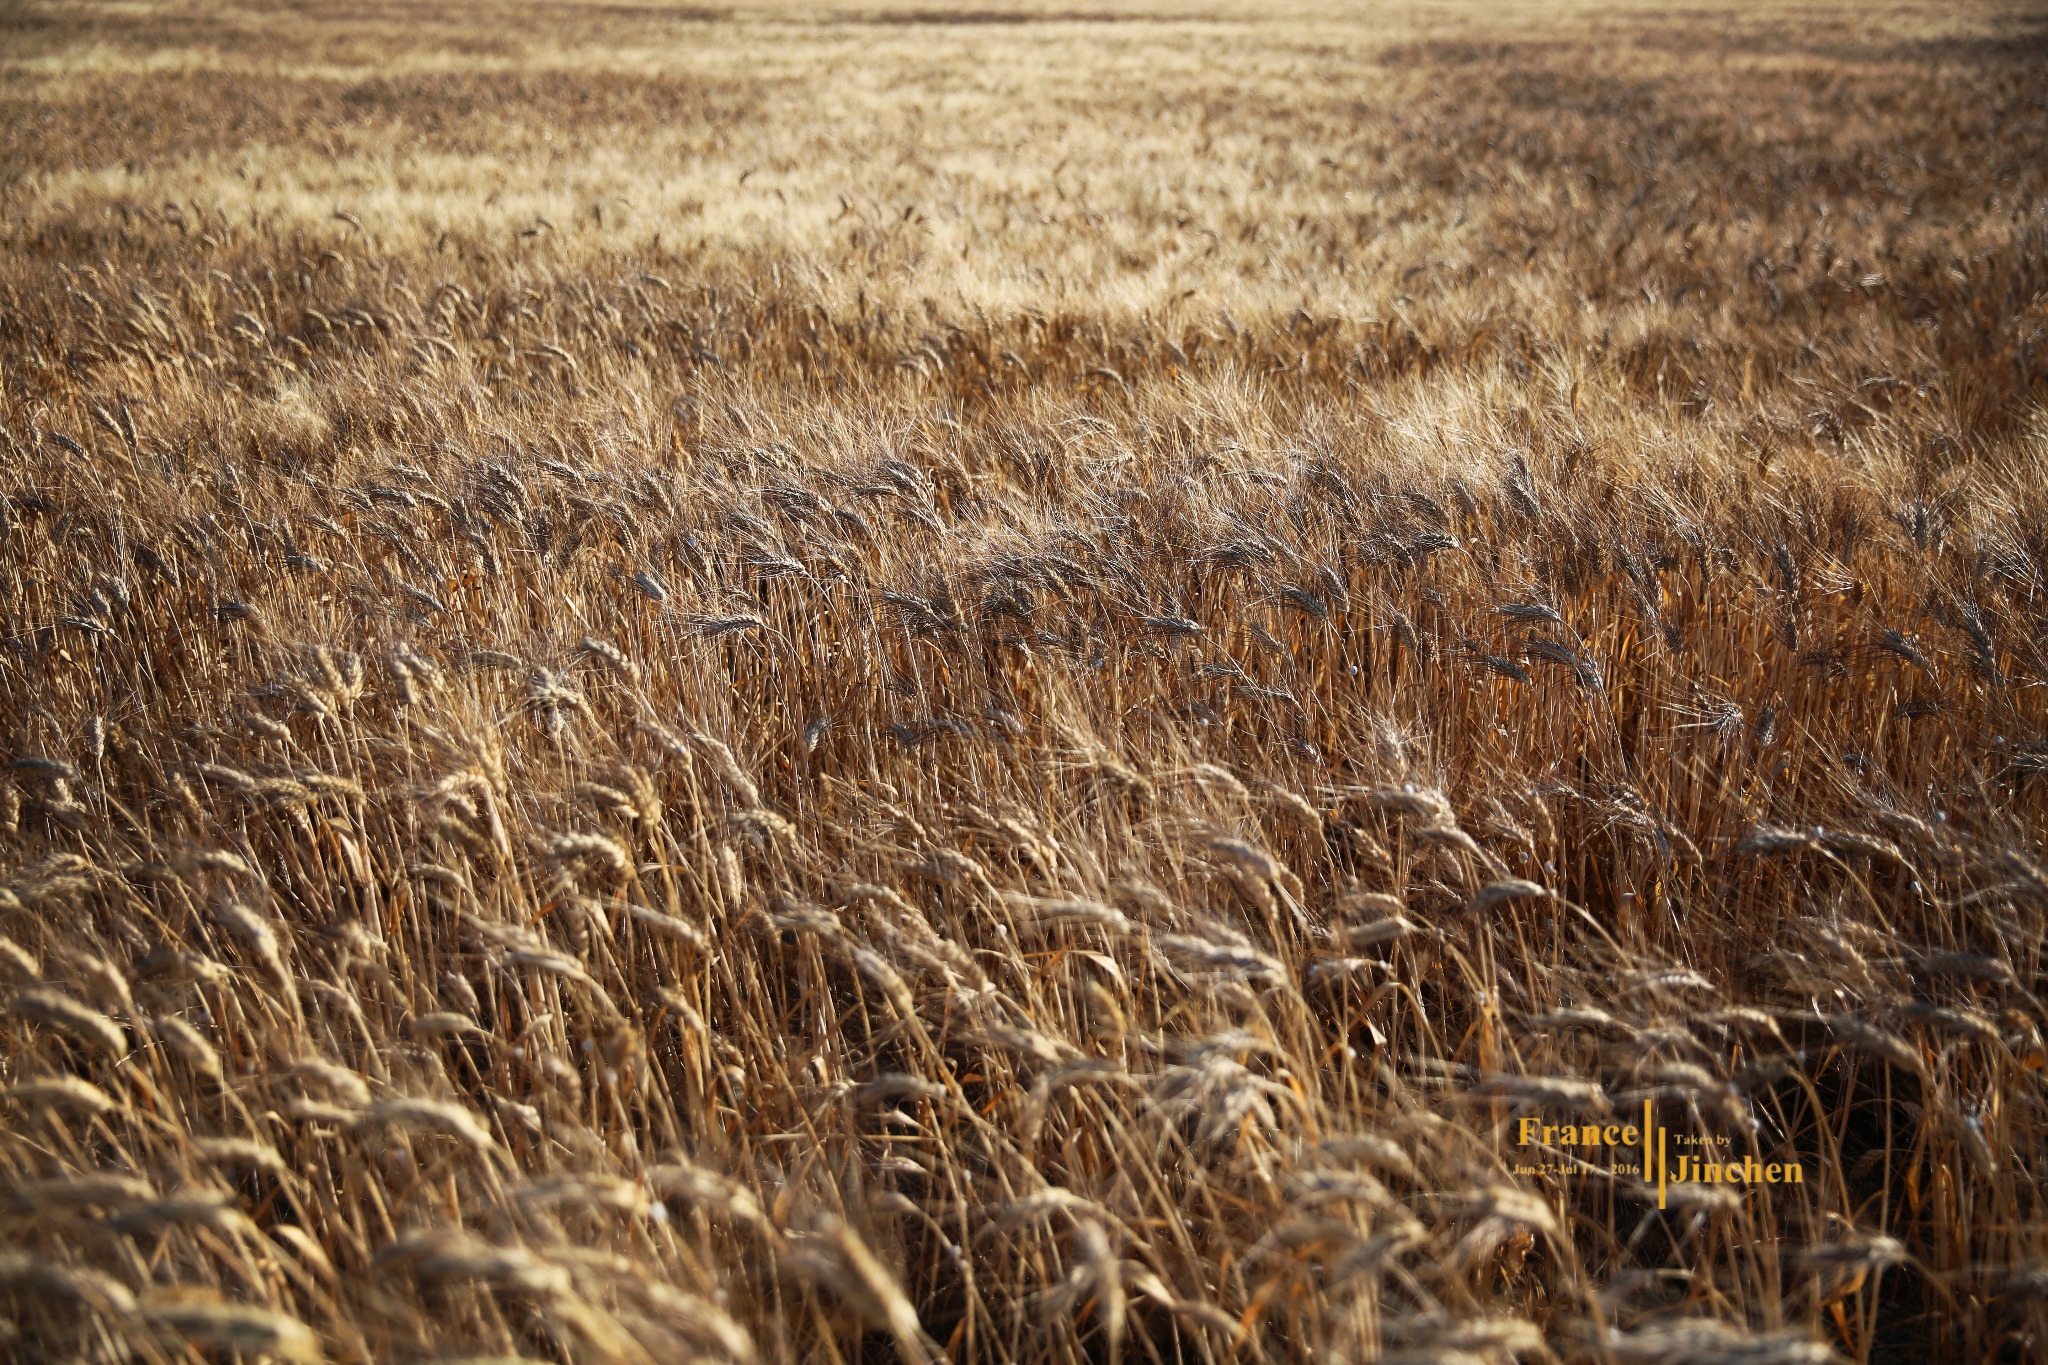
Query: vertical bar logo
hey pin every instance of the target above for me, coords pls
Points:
(1678, 1159)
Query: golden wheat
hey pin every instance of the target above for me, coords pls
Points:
(1022, 684)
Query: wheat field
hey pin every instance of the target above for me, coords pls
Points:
(1023, 684)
